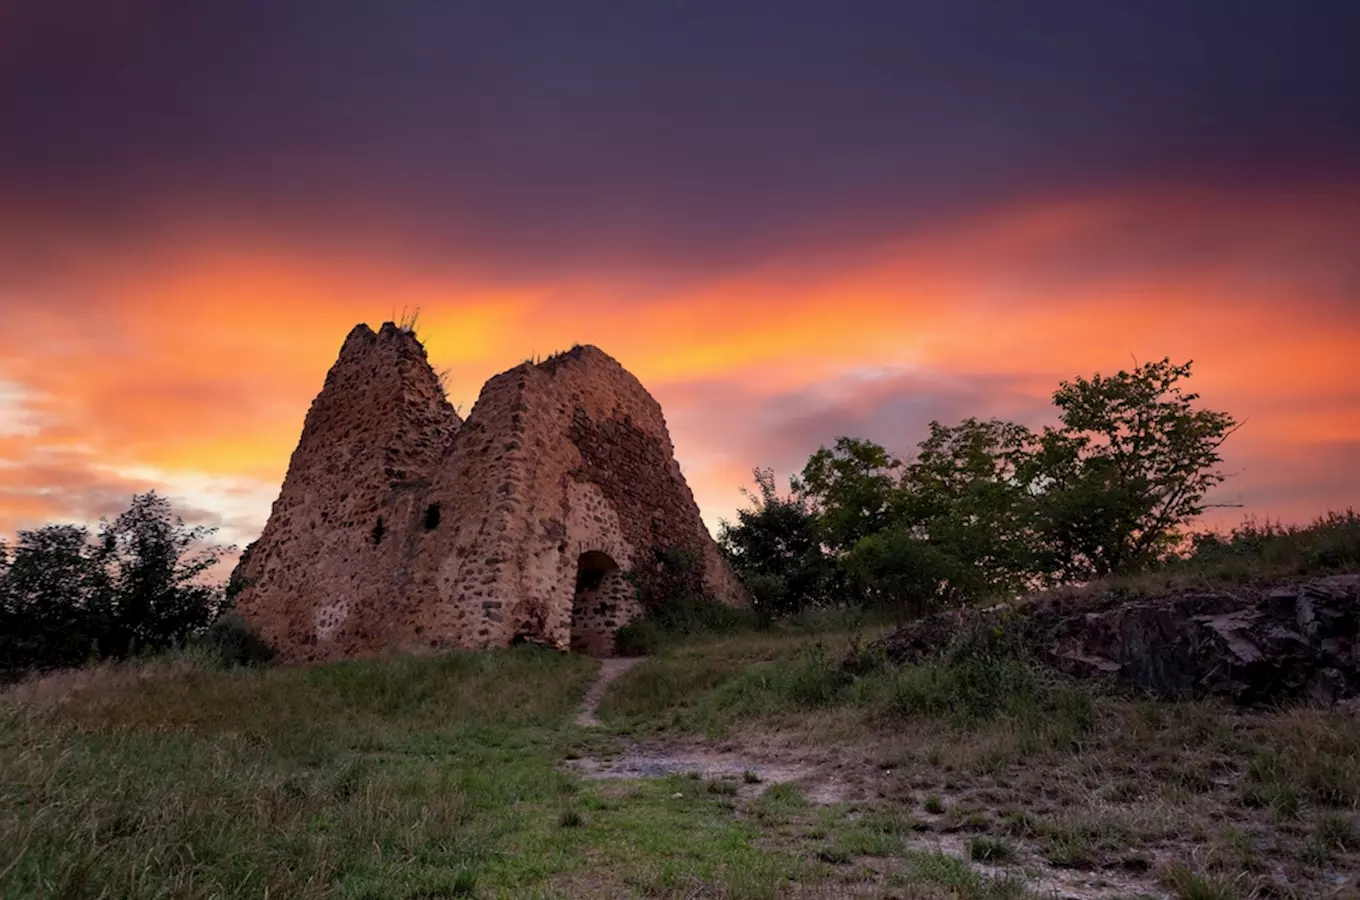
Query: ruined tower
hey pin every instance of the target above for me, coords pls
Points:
(400, 527)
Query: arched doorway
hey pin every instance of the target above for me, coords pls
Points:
(601, 593)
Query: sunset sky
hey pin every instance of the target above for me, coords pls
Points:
(791, 220)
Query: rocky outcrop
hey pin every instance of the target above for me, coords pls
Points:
(401, 527)
(1250, 645)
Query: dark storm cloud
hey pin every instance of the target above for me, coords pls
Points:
(693, 134)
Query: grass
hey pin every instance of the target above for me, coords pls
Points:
(990, 850)
(1031, 767)
(1190, 884)
(417, 778)
(445, 777)
(1254, 552)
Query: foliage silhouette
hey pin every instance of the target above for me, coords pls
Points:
(140, 585)
(988, 508)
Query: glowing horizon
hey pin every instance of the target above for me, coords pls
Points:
(191, 372)
(789, 221)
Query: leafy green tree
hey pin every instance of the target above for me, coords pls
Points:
(962, 521)
(775, 547)
(899, 569)
(988, 508)
(851, 488)
(968, 491)
(1129, 466)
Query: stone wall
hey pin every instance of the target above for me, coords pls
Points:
(567, 458)
(325, 579)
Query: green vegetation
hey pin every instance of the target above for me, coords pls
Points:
(407, 778)
(675, 605)
(205, 773)
(1028, 767)
(449, 776)
(137, 587)
(990, 850)
(685, 617)
(989, 508)
(411, 777)
(1264, 551)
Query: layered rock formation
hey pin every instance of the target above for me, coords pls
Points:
(400, 527)
(1250, 645)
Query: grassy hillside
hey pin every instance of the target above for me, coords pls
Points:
(419, 778)
(452, 776)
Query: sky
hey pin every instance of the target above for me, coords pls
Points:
(791, 220)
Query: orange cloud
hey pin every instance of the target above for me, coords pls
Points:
(191, 365)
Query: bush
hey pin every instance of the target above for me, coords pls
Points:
(987, 671)
(776, 548)
(675, 604)
(231, 642)
(1266, 550)
(640, 637)
(667, 623)
(816, 679)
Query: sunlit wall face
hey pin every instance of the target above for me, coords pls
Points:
(789, 229)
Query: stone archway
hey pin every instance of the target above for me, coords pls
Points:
(603, 601)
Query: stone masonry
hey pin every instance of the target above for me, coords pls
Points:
(401, 527)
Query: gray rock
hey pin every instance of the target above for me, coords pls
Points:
(1250, 645)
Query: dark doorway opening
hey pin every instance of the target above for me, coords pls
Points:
(600, 586)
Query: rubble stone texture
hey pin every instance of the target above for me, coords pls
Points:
(401, 527)
(1252, 645)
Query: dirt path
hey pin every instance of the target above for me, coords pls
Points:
(649, 759)
(611, 669)
(752, 765)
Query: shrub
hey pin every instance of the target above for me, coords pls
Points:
(675, 604)
(776, 547)
(641, 637)
(680, 618)
(985, 672)
(231, 642)
(1263, 550)
(137, 586)
(816, 679)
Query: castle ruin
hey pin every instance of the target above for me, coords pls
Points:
(401, 527)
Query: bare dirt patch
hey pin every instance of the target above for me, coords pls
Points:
(754, 774)
(752, 765)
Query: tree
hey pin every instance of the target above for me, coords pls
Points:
(967, 492)
(775, 547)
(158, 566)
(902, 570)
(1129, 466)
(54, 600)
(988, 508)
(851, 488)
(142, 585)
